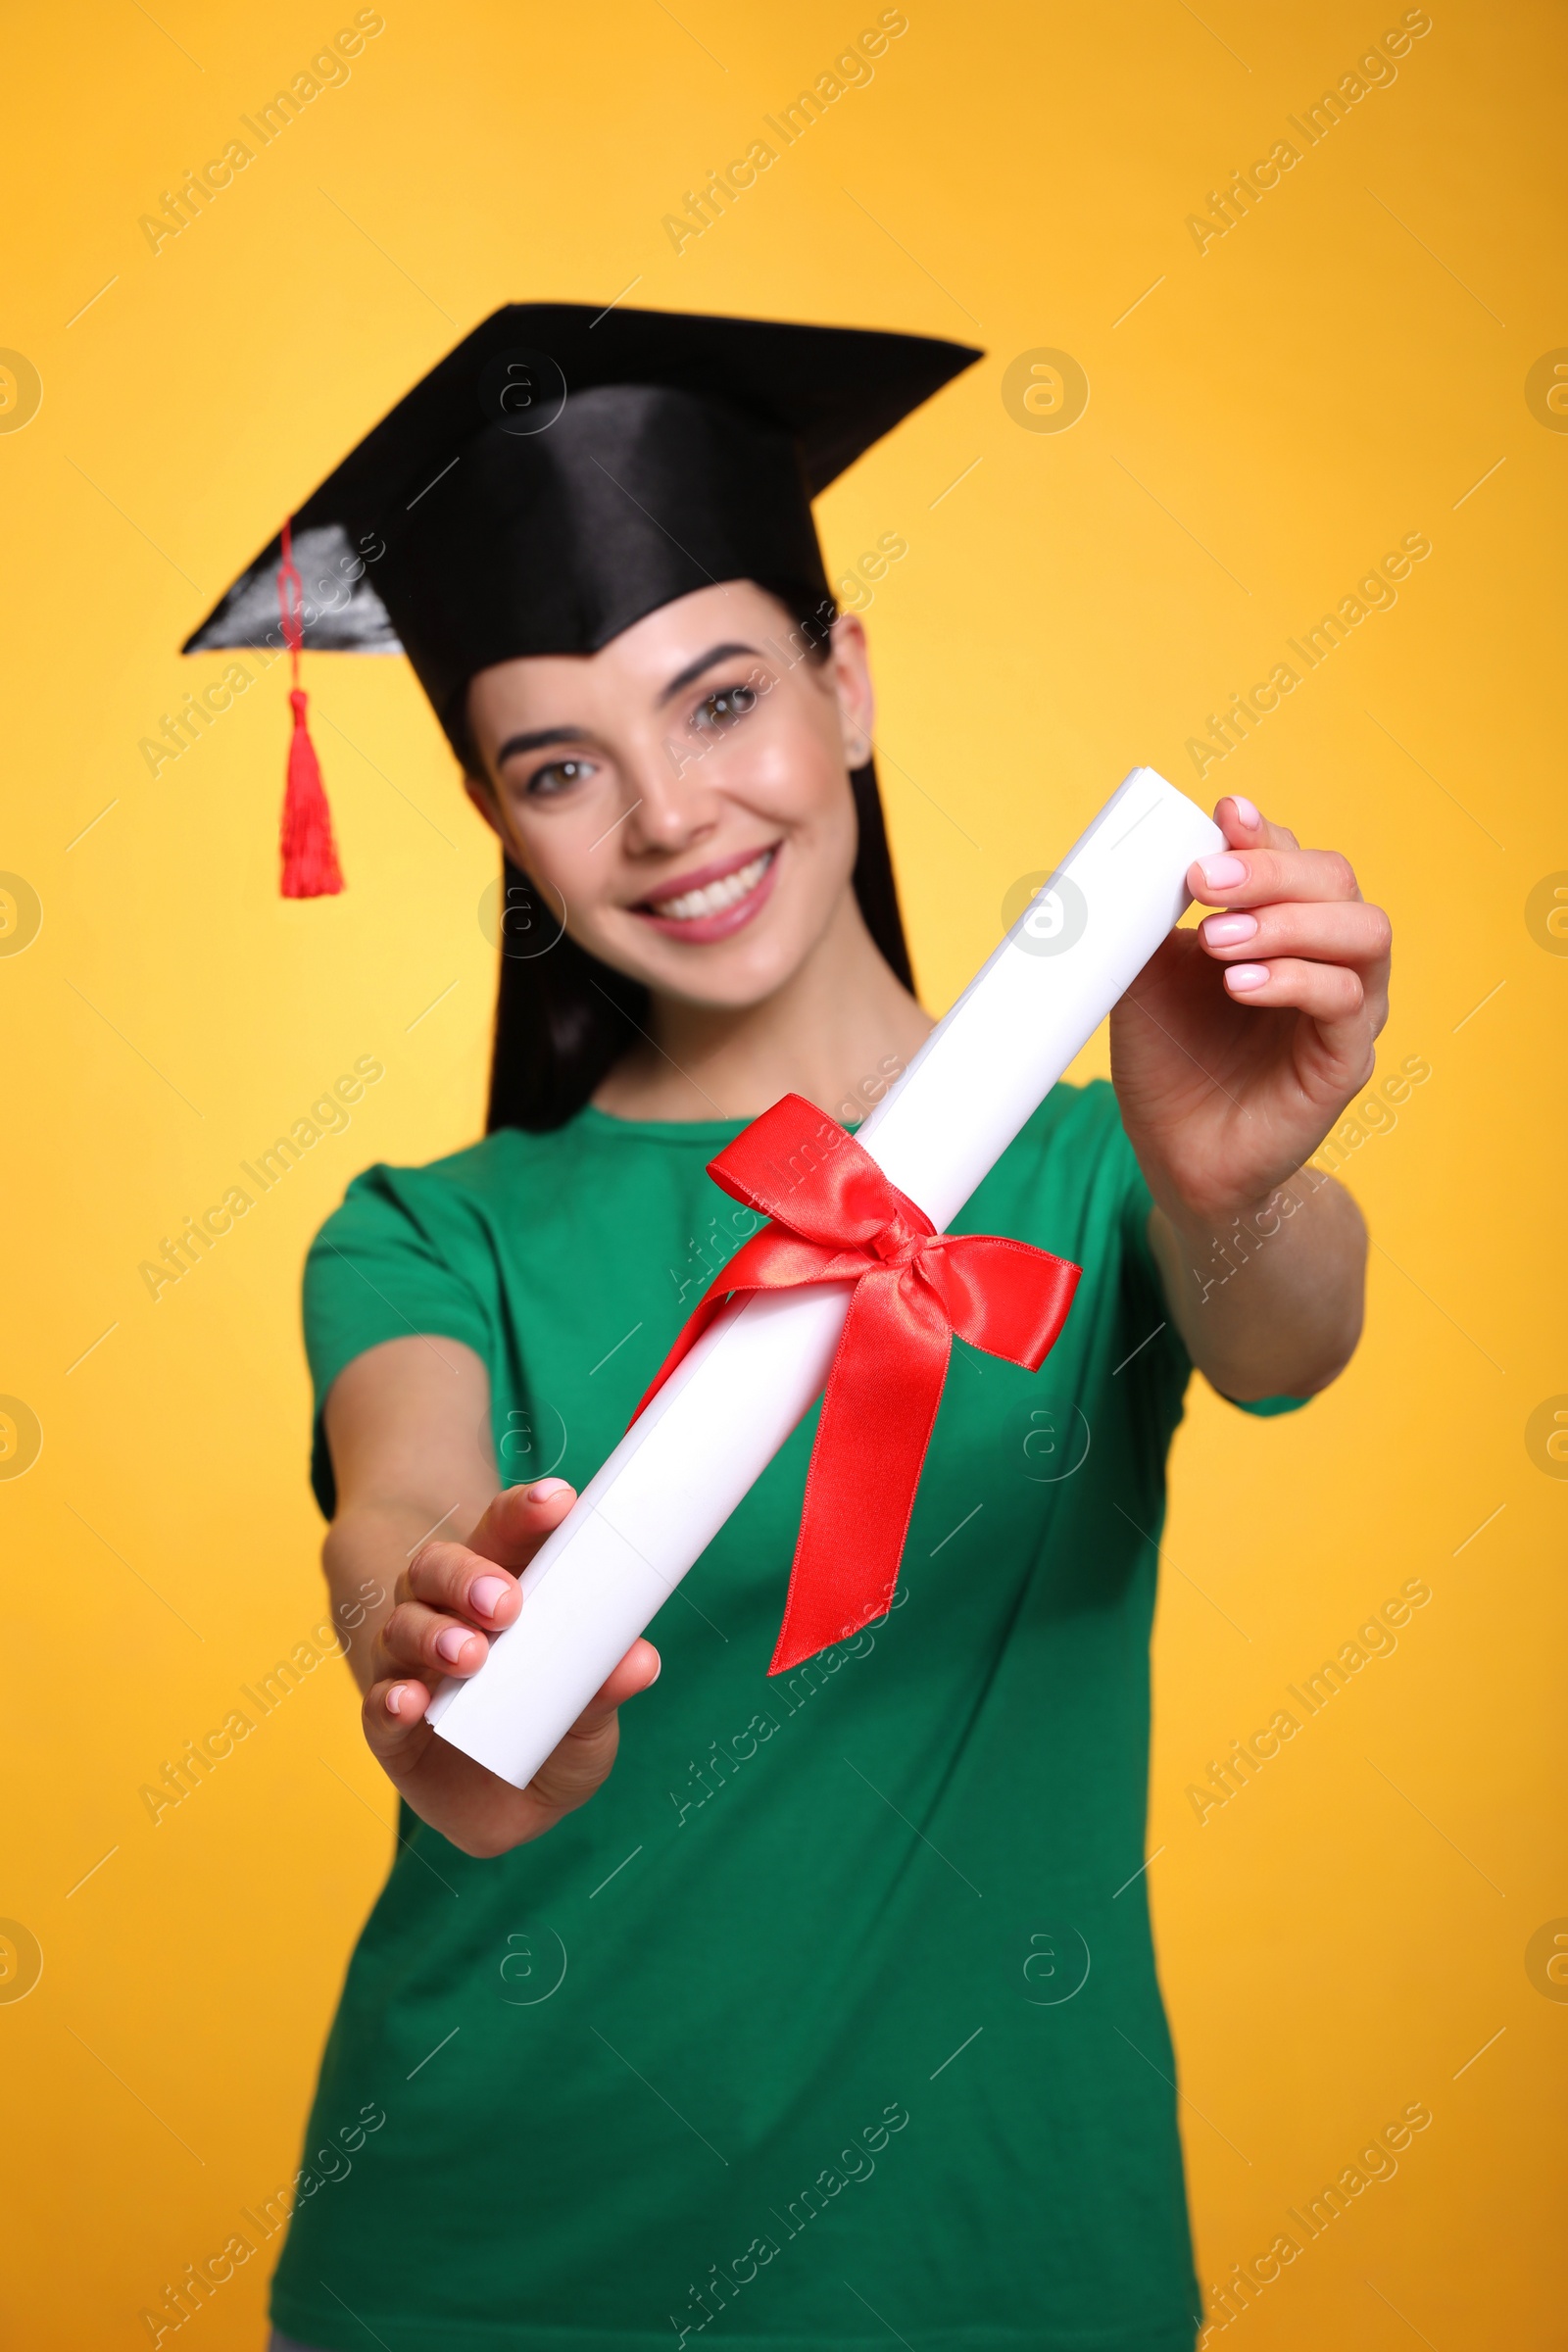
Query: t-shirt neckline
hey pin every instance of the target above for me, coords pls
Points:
(662, 1130)
(671, 1131)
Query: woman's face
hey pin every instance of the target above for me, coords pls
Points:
(684, 792)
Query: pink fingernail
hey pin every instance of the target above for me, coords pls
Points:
(451, 1645)
(1246, 811)
(486, 1594)
(1222, 873)
(545, 1488)
(1247, 975)
(394, 1698)
(1228, 930)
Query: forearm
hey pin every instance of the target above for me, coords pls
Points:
(1270, 1302)
(407, 1427)
(368, 1548)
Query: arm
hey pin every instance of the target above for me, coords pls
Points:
(1269, 1301)
(1230, 1072)
(421, 1522)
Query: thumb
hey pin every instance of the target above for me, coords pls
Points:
(570, 1774)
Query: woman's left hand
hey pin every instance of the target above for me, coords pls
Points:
(1241, 1041)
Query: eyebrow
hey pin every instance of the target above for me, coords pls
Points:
(537, 741)
(694, 670)
(540, 737)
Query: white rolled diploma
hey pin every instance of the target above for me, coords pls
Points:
(677, 1474)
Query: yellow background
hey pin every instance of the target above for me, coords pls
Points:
(1339, 370)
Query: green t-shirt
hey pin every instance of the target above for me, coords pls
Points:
(831, 2021)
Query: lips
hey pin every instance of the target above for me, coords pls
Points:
(716, 901)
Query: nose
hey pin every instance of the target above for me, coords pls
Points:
(666, 813)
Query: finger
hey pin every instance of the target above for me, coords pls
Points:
(1245, 827)
(1328, 931)
(1326, 992)
(425, 1640)
(464, 1584)
(1256, 877)
(519, 1520)
(395, 1730)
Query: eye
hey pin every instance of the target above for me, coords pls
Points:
(562, 775)
(721, 708)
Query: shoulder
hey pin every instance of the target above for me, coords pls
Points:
(411, 1250)
(451, 1195)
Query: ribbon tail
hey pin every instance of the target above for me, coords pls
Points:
(881, 1402)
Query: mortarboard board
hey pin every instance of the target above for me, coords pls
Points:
(558, 476)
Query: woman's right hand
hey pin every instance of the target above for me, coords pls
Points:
(449, 1599)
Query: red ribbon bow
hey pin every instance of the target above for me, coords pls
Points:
(835, 1218)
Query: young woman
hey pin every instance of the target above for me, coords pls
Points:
(833, 2017)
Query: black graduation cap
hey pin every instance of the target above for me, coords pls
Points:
(558, 476)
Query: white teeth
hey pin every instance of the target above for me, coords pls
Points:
(692, 905)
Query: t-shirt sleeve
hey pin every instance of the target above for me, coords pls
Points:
(385, 1266)
(1138, 1204)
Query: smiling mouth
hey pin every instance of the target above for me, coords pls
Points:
(714, 900)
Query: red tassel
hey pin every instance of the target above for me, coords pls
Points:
(311, 869)
(310, 855)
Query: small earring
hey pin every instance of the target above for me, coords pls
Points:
(860, 752)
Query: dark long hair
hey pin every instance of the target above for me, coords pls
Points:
(563, 1018)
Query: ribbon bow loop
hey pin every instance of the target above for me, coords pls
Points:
(835, 1217)
(811, 1174)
